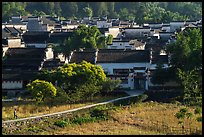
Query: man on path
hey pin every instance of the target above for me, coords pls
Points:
(15, 114)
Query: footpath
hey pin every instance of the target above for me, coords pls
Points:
(131, 94)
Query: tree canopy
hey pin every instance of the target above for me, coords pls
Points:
(186, 60)
(186, 52)
(139, 11)
(86, 37)
(42, 90)
(79, 81)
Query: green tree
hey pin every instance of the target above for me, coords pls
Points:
(42, 90)
(86, 37)
(186, 59)
(186, 52)
(192, 86)
(109, 85)
(109, 39)
(80, 81)
(125, 15)
(88, 11)
(161, 75)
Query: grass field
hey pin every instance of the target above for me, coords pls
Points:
(125, 120)
(29, 108)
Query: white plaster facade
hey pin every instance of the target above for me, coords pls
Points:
(37, 45)
(49, 53)
(14, 42)
(114, 31)
(12, 84)
(109, 67)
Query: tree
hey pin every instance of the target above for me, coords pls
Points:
(125, 15)
(42, 90)
(161, 75)
(109, 85)
(192, 86)
(86, 37)
(186, 52)
(186, 59)
(109, 39)
(79, 81)
(88, 11)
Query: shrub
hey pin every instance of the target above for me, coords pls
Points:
(61, 123)
(99, 112)
(42, 90)
(109, 85)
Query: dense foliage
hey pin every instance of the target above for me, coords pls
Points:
(186, 60)
(138, 11)
(42, 90)
(86, 37)
(79, 81)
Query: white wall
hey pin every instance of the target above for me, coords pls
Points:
(49, 53)
(72, 26)
(137, 32)
(111, 66)
(13, 43)
(12, 84)
(4, 50)
(37, 45)
(113, 31)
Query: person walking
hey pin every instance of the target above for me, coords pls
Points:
(15, 114)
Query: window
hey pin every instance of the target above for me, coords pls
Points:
(121, 71)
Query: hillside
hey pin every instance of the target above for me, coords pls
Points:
(140, 12)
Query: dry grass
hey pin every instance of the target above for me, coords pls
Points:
(100, 128)
(126, 120)
(153, 111)
(28, 109)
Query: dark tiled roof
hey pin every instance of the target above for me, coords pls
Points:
(59, 36)
(35, 37)
(160, 59)
(11, 75)
(9, 33)
(23, 59)
(50, 64)
(79, 56)
(34, 25)
(121, 56)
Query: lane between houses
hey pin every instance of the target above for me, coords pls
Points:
(72, 110)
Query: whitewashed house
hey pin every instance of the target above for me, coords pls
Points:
(21, 65)
(134, 33)
(130, 66)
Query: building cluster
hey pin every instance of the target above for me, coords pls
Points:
(131, 57)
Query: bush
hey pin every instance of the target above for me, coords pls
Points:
(61, 123)
(109, 85)
(100, 112)
(141, 98)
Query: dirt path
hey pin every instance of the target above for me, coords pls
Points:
(69, 111)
